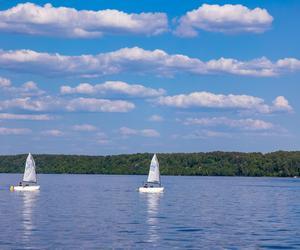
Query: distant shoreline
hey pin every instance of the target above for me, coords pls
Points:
(275, 164)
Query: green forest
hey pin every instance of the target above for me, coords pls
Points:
(277, 164)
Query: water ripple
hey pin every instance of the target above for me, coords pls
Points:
(100, 212)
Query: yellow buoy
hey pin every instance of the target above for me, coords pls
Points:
(11, 188)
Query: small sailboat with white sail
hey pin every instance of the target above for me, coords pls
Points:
(153, 184)
(29, 182)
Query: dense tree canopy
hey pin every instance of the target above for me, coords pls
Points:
(279, 163)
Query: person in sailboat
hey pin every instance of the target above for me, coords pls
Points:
(23, 184)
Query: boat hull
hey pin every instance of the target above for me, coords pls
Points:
(25, 188)
(151, 189)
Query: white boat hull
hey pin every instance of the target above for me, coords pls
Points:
(151, 189)
(25, 188)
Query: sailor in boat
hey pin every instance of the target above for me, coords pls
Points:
(24, 184)
(151, 184)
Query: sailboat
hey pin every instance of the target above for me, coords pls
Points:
(153, 184)
(29, 182)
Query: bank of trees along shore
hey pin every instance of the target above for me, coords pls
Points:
(281, 164)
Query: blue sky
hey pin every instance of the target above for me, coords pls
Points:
(137, 76)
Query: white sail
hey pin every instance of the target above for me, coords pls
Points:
(29, 174)
(154, 175)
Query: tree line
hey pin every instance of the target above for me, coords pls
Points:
(277, 164)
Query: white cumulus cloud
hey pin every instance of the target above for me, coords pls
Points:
(53, 132)
(226, 18)
(220, 101)
(99, 105)
(117, 87)
(30, 104)
(289, 63)
(84, 127)
(156, 118)
(243, 124)
(4, 82)
(127, 132)
(47, 20)
(137, 60)
(29, 88)
(281, 104)
(14, 131)
(49, 103)
(201, 134)
(9, 116)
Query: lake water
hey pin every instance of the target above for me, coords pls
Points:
(101, 211)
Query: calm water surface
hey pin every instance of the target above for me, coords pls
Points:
(100, 212)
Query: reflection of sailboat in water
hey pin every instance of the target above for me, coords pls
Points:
(152, 217)
(29, 202)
